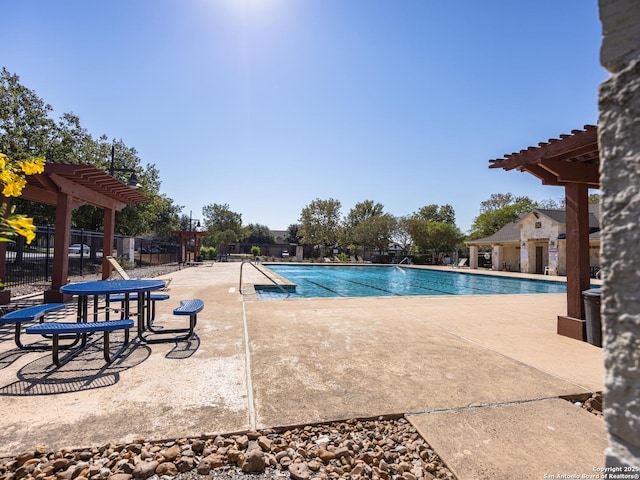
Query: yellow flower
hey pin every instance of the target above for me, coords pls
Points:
(3, 160)
(23, 226)
(14, 188)
(33, 166)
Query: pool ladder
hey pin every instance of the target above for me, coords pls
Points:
(255, 265)
(407, 259)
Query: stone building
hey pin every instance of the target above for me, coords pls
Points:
(536, 243)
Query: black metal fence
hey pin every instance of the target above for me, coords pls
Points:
(32, 264)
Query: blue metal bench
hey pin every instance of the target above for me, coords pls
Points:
(187, 307)
(55, 329)
(28, 314)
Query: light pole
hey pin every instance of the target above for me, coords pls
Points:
(133, 179)
(190, 234)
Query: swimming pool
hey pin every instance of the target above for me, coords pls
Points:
(385, 280)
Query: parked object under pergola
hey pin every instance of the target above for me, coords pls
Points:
(67, 187)
(572, 162)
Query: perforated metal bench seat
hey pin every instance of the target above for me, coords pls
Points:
(187, 307)
(55, 329)
(28, 314)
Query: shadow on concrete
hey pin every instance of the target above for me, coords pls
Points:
(86, 371)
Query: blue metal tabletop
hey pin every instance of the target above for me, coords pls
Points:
(110, 287)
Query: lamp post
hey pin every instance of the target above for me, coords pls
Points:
(191, 220)
(133, 179)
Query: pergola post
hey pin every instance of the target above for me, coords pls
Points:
(107, 241)
(577, 215)
(64, 207)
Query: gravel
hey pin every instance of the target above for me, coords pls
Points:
(357, 449)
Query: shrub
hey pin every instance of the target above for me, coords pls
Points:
(208, 253)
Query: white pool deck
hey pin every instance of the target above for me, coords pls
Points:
(479, 376)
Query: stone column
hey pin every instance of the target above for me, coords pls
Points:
(497, 257)
(619, 139)
(473, 256)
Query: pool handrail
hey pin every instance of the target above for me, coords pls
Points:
(255, 265)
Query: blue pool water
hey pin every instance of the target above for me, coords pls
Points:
(374, 280)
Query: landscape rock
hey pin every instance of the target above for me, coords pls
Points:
(254, 461)
(382, 449)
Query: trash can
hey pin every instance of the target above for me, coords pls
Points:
(592, 313)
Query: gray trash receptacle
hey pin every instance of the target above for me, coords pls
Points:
(592, 313)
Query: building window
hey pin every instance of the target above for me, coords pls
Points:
(538, 224)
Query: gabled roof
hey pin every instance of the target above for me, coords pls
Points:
(511, 231)
(561, 217)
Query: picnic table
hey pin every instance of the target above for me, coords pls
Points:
(105, 288)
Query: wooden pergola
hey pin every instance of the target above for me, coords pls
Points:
(67, 187)
(185, 237)
(573, 162)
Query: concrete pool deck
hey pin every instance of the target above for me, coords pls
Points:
(479, 376)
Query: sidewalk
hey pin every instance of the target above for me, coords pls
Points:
(460, 366)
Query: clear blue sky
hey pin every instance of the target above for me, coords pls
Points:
(268, 104)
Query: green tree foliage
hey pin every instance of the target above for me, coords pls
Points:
(25, 126)
(293, 234)
(363, 211)
(320, 222)
(402, 234)
(497, 211)
(433, 229)
(26, 129)
(436, 213)
(223, 225)
(259, 235)
(375, 232)
(434, 237)
(367, 226)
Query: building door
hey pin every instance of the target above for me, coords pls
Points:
(539, 260)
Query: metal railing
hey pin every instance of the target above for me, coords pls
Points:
(407, 259)
(32, 264)
(255, 265)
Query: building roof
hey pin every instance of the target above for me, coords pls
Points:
(511, 231)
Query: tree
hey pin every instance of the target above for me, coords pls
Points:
(363, 211)
(223, 225)
(435, 213)
(433, 229)
(367, 226)
(375, 232)
(259, 235)
(25, 126)
(434, 237)
(320, 222)
(497, 211)
(292, 234)
(594, 198)
(402, 235)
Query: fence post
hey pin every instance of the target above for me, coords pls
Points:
(48, 252)
(82, 252)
